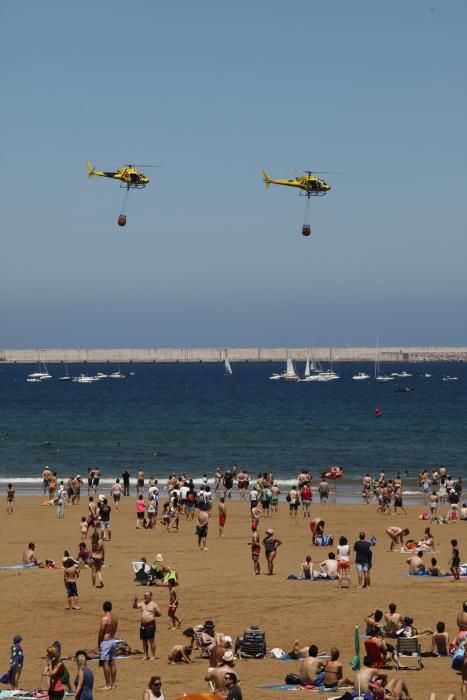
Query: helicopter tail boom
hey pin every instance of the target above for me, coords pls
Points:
(266, 178)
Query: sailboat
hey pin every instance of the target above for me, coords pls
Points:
(117, 375)
(313, 371)
(227, 367)
(290, 374)
(378, 376)
(328, 375)
(66, 377)
(40, 375)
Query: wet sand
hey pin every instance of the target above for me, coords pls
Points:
(218, 584)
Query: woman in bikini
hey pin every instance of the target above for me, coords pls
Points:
(97, 559)
(270, 544)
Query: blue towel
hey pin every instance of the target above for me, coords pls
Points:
(21, 566)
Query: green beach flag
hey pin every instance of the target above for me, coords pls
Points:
(355, 662)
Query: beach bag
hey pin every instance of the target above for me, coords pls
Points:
(327, 540)
(292, 679)
(411, 544)
(458, 658)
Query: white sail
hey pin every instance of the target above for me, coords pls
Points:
(290, 372)
(307, 368)
(227, 367)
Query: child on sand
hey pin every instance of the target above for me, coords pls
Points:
(173, 605)
(83, 526)
(455, 561)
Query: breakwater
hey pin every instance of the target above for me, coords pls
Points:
(337, 354)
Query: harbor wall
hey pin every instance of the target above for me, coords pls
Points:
(338, 354)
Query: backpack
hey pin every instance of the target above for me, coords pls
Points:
(190, 497)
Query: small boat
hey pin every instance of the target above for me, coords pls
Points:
(66, 377)
(227, 367)
(404, 389)
(378, 376)
(361, 375)
(101, 375)
(401, 374)
(117, 375)
(334, 472)
(448, 378)
(427, 375)
(290, 374)
(41, 374)
(84, 379)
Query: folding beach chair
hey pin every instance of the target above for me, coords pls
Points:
(408, 649)
(200, 643)
(378, 658)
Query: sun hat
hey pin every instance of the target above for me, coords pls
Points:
(227, 639)
(269, 531)
(228, 657)
(159, 557)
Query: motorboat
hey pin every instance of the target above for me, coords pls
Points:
(359, 376)
(85, 379)
(402, 374)
(448, 378)
(427, 375)
(117, 375)
(101, 375)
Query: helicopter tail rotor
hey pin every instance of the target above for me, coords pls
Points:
(90, 169)
(266, 178)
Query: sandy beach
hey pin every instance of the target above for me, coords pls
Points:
(218, 584)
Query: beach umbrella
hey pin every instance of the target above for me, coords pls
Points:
(355, 662)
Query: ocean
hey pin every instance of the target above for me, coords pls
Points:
(192, 417)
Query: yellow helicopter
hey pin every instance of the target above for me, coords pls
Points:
(309, 183)
(309, 186)
(128, 176)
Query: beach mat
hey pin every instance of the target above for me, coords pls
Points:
(19, 566)
(306, 688)
(292, 577)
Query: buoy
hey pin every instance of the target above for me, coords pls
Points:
(378, 412)
(306, 230)
(122, 220)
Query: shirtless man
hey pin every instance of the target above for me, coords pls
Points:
(147, 631)
(367, 481)
(366, 675)
(215, 676)
(202, 520)
(106, 644)
(29, 555)
(329, 566)
(393, 620)
(311, 668)
(46, 476)
(416, 563)
(396, 535)
(70, 577)
(222, 516)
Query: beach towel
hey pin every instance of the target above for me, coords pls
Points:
(307, 688)
(20, 566)
(293, 577)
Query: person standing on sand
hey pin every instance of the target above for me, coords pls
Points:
(116, 493)
(362, 549)
(202, 520)
(10, 499)
(140, 482)
(455, 561)
(16, 662)
(84, 682)
(222, 516)
(70, 576)
(255, 549)
(173, 605)
(106, 644)
(97, 559)
(126, 482)
(46, 475)
(56, 672)
(270, 544)
(147, 631)
(140, 508)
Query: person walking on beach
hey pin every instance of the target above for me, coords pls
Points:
(140, 508)
(105, 511)
(57, 674)
(270, 544)
(97, 559)
(202, 520)
(306, 496)
(70, 576)
(10, 499)
(222, 516)
(455, 561)
(147, 630)
(173, 605)
(126, 482)
(106, 644)
(362, 549)
(60, 501)
(116, 493)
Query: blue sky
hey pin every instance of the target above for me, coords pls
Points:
(216, 91)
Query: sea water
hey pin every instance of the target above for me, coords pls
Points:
(169, 418)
